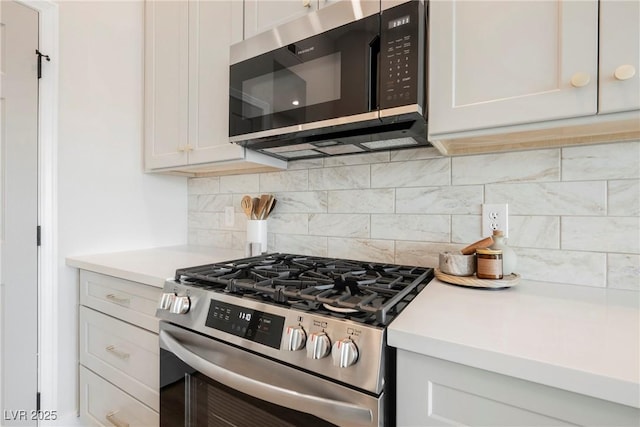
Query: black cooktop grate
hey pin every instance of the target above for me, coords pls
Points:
(364, 291)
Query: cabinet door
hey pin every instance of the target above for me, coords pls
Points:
(497, 63)
(210, 35)
(262, 15)
(166, 83)
(436, 392)
(619, 81)
(103, 404)
(237, 21)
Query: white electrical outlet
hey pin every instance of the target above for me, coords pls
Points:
(229, 216)
(495, 216)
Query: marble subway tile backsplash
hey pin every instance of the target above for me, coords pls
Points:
(574, 212)
(339, 225)
(553, 198)
(362, 201)
(522, 166)
(428, 228)
(466, 199)
(419, 173)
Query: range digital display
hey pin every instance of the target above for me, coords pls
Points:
(254, 325)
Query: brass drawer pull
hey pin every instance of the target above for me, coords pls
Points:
(111, 417)
(118, 300)
(112, 349)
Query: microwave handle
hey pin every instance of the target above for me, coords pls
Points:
(321, 407)
(374, 69)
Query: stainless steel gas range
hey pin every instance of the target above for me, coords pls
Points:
(282, 340)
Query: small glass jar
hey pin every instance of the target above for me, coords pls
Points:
(489, 263)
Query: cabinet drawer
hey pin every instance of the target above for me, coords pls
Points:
(123, 354)
(103, 404)
(130, 301)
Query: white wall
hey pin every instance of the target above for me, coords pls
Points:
(105, 201)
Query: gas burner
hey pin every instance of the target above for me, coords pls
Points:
(370, 292)
(339, 309)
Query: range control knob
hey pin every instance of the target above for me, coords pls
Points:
(296, 338)
(318, 345)
(166, 300)
(344, 353)
(181, 305)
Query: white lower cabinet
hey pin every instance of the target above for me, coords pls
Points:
(122, 353)
(103, 404)
(436, 392)
(119, 352)
(132, 302)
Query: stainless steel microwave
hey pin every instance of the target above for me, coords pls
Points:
(348, 78)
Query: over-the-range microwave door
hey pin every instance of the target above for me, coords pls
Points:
(355, 84)
(326, 76)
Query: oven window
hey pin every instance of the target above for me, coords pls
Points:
(189, 398)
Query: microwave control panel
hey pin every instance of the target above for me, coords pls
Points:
(402, 55)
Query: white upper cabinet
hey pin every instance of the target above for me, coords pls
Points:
(498, 63)
(209, 41)
(263, 15)
(187, 88)
(508, 75)
(166, 84)
(619, 80)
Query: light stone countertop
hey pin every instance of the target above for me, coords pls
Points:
(151, 266)
(576, 338)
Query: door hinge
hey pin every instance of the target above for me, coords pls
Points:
(38, 235)
(40, 56)
(38, 402)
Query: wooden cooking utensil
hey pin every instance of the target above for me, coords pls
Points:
(269, 207)
(256, 205)
(247, 206)
(264, 200)
(273, 205)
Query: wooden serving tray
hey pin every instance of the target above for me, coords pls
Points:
(472, 281)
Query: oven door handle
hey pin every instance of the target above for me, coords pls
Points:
(318, 406)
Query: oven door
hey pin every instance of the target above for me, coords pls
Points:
(204, 382)
(314, 82)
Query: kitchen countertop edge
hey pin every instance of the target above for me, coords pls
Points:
(591, 378)
(151, 266)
